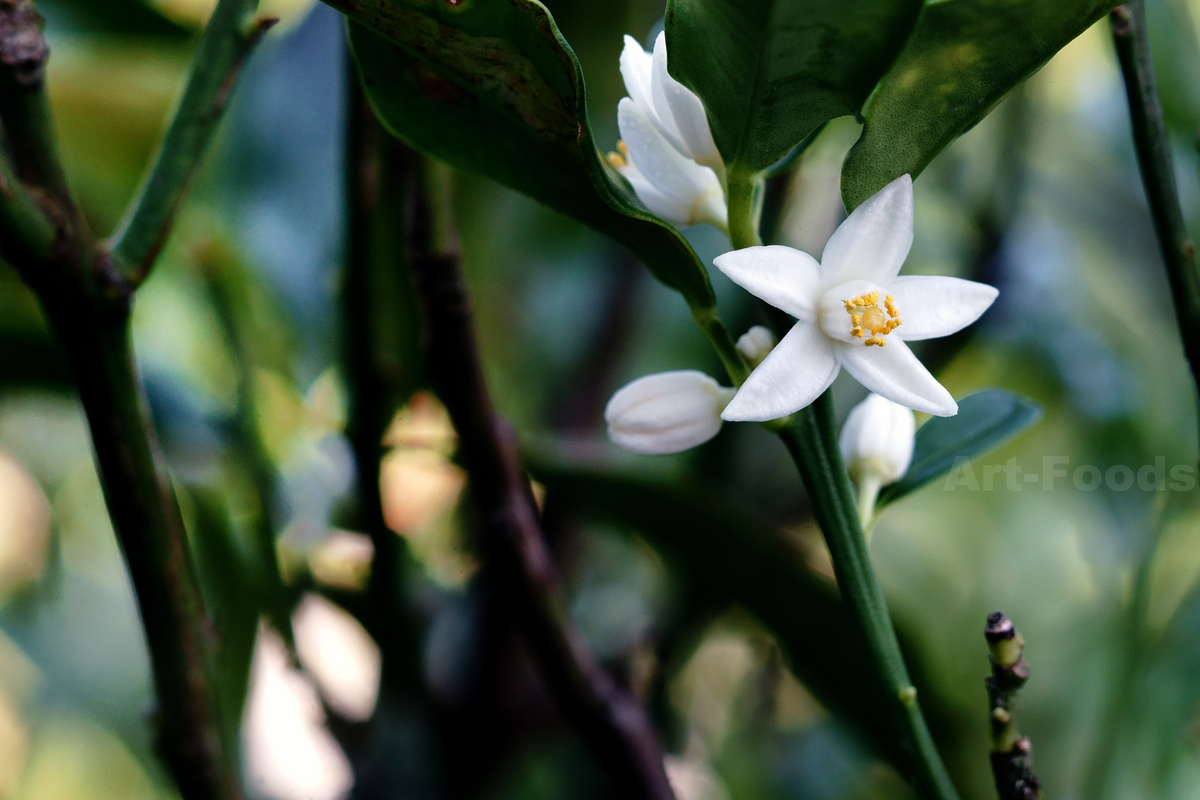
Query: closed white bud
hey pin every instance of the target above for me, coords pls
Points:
(755, 344)
(877, 441)
(667, 412)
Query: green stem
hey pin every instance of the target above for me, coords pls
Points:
(708, 320)
(811, 439)
(216, 63)
(1153, 147)
(868, 493)
(25, 233)
(743, 198)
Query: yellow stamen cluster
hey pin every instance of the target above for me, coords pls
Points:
(866, 315)
(620, 160)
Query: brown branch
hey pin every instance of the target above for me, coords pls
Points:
(88, 308)
(609, 720)
(1153, 146)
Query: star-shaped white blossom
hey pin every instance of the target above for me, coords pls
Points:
(853, 311)
(667, 150)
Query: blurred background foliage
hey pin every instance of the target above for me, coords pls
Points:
(242, 317)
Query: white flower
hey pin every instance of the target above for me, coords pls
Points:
(668, 412)
(877, 446)
(667, 151)
(853, 312)
(756, 343)
(877, 441)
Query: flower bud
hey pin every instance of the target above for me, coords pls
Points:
(755, 344)
(668, 412)
(877, 441)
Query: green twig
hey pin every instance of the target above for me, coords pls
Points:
(708, 320)
(227, 40)
(811, 438)
(1012, 756)
(1153, 145)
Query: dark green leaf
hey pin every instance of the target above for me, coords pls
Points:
(770, 71)
(984, 420)
(492, 87)
(962, 59)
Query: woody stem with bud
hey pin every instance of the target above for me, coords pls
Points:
(1011, 753)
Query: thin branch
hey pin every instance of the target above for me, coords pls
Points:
(153, 540)
(382, 334)
(227, 41)
(24, 107)
(609, 720)
(1153, 145)
(89, 313)
(1012, 757)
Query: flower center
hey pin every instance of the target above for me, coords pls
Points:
(866, 315)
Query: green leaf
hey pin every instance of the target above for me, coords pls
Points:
(984, 420)
(492, 87)
(735, 556)
(771, 71)
(962, 59)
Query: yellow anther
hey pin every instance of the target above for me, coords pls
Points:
(867, 316)
(621, 146)
(616, 160)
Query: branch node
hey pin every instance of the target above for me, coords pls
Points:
(23, 50)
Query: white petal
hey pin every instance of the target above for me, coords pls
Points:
(873, 242)
(658, 95)
(787, 279)
(675, 102)
(668, 412)
(663, 166)
(878, 439)
(635, 70)
(933, 305)
(894, 372)
(800, 367)
(673, 209)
